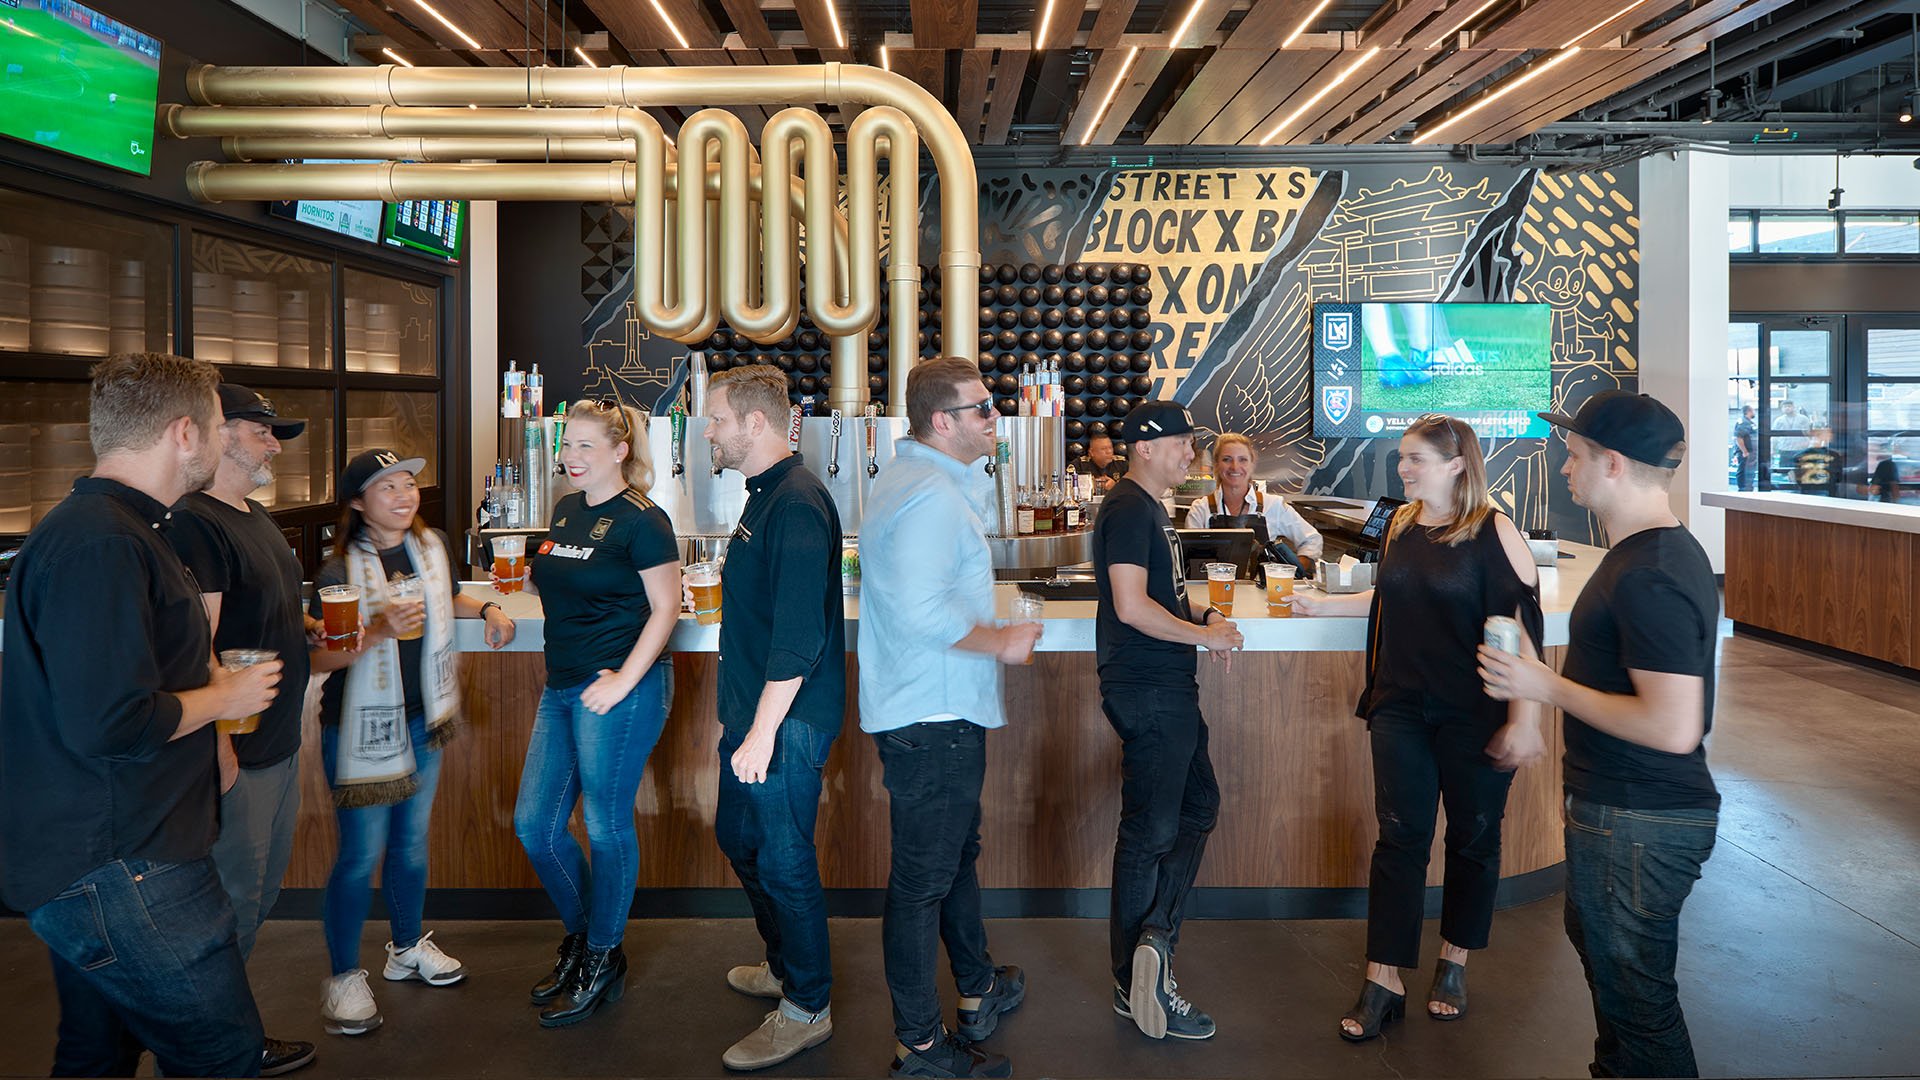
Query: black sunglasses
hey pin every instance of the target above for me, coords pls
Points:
(982, 408)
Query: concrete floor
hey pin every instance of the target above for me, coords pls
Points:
(1801, 953)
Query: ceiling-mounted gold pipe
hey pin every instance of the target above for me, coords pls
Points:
(874, 131)
(427, 148)
(802, 85)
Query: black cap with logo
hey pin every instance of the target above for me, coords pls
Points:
(1635, 425)
(371, 465)
(240, 403)
(1156, 420)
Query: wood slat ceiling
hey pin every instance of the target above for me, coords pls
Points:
(1411, 65)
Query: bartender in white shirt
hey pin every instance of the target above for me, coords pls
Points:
(1234, 500)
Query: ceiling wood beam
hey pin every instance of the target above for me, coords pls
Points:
(1229, 68)
(945, 24)
(1393, 24)
(1341, 105)
(369, 46)
(1540, 94)
(1452, 73)
(1278, 80)
(1063, 26)
(818, 22)
(970, 103)
(1110, 69)
(1202, 30)
(1289, 121)
(928, 67)
(1683, 32)
(1009, 79)
(750, 22)
(481, 19)
(1642, 64)
(1109, 24)
(1145, 71)
(377, 18)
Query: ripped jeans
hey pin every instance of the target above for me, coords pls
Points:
(1427, 753)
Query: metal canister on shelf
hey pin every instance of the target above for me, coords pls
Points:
(1503, 633)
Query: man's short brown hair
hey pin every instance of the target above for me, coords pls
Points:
(934, 385)
(135, 396)
(756, 388)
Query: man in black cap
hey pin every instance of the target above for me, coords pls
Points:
(1637, 693)
(250, 580)
(1145, 633)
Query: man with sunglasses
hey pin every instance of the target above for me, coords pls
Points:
(930, 654)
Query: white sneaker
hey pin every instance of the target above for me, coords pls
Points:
(346, 1004)
(423, 961)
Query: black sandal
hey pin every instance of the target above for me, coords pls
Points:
(1376, 1006)
(1449, 988)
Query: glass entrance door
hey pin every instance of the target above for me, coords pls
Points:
(1785, 368)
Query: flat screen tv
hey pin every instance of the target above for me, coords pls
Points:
(75, 81)
(1378, 367)
(359, 220)
(433, 227)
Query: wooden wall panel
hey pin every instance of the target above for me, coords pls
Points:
(1292, 762)
(1841, 586)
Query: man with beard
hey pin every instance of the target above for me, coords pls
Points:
(783, 693)
(251, 583)
(108, 784)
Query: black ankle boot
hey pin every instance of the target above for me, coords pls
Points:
(572, 948)
(600, 977)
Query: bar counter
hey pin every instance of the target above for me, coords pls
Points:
(1296, 821)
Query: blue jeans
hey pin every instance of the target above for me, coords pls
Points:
(574, 755)
(393, 838)
(1628, 873)
(933, 772)
(766, 832)
(144, 956)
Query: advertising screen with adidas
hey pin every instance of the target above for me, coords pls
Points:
(1379, 367)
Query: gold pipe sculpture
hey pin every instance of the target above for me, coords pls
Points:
(705, 263)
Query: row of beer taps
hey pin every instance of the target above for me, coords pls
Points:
(677, 417)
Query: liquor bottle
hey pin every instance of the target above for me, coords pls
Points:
(536, 393)
(512, 395)
(1042, 510)
(1076, 517)
(1024, 513)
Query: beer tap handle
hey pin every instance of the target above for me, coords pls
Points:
(677, 420)
(873, 429)
(833, 434)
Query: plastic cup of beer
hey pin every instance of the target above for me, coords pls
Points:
(405, 591)
(1280, 589)
(1220, 577)
(340, 610)
(703, 580)
(237, 660)
(1027, 609)
(510, 563)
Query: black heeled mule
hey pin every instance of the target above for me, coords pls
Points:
(1376, 1006)
(1449, 988)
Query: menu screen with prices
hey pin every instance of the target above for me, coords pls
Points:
(429, 226)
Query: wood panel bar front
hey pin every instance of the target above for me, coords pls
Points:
(1293, 765)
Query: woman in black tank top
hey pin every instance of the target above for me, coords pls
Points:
(1449, 563)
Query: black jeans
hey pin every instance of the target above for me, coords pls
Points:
(933, 772)
(1427, 753)
(1169, 801)
(1628, 873)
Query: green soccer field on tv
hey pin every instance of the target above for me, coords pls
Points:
(75, 81)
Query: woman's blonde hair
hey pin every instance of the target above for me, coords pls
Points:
(623, 424)
(1234, 438)
(1472, 505)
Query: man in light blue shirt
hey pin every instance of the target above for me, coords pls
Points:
(930, 654)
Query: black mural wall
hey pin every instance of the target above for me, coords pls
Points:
(1239, 256)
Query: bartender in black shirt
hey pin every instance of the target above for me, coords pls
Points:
(783, 694)
(1145, 631)
(250, 581)
(108, 783)
(1637, 692)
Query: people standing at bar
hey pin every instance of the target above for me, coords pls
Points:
(930, 652)
(1449, 562)
(782, 697)
(250, 580)
(1637, 694)
(1235, 501)
(109, 788)
(383, 720)
(608, 576)
(1145, 634)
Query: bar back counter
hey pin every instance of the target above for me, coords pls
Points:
(1296, 822)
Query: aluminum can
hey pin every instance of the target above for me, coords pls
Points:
(1503, 633)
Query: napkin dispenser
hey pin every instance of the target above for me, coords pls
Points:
(1545, 547)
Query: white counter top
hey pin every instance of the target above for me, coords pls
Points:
(1892, 517)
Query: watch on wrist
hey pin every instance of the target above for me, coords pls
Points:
(1207, 615)
(491, 604)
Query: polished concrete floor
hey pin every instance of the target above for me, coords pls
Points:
(1801, 952)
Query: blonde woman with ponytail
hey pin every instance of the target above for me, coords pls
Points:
(1450, 561)
(608, 576)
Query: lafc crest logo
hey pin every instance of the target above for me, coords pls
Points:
(600, 529)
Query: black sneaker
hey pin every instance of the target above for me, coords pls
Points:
(1120, 1003)
(948, 1056)
(280, 1057)
(1158, 1009)
(1008, 991)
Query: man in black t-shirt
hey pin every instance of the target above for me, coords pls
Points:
(1145, 632)
(1746, 438)
(1637, 693)
(250, 581)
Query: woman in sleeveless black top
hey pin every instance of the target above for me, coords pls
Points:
(1450, 562)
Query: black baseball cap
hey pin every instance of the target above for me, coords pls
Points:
(1155, 420)
(371, 465)
(1635, 425)
(240, 403)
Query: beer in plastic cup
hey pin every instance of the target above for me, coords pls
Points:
(1280, 589)
(236, 660)
(1220, 577)
(340, 610)
(510, 563)
(1027, 609)
(409, 590)
(703, 580)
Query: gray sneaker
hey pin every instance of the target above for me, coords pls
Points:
(1157, 1008)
